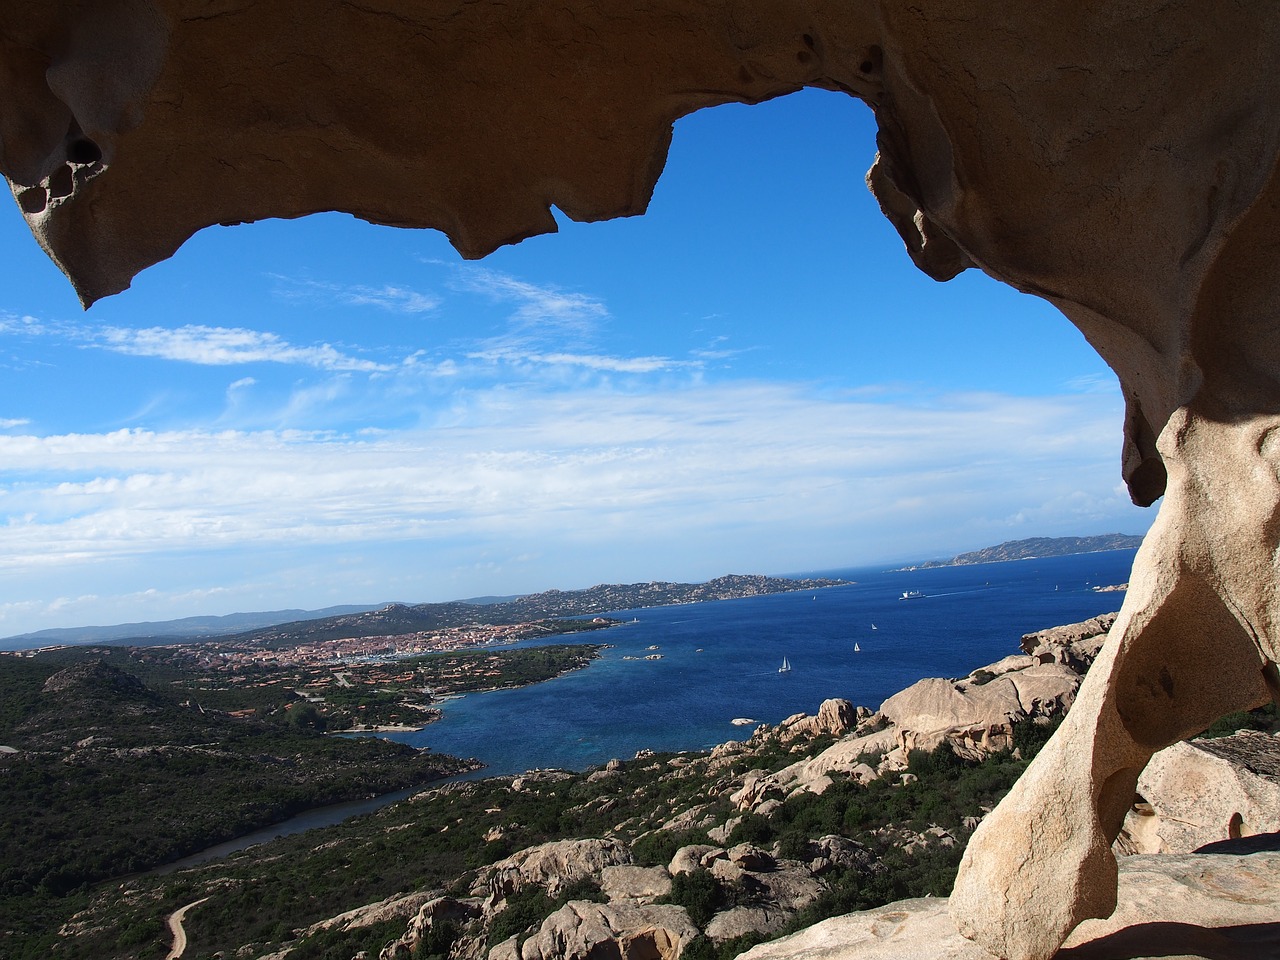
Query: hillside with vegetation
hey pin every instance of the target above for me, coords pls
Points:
(1034, 547)
(853, 846)
(545, 608)
(115, 760)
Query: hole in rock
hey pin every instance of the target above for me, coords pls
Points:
(83, 151)
(33, 200)
(872, 61)
(61, 183)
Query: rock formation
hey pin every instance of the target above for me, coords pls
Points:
(587, 931)
(1204, 792)
(1118, 160)
(553, 866)
(835, 717)
(1202, 907)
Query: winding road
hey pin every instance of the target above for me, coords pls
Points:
(179, 932)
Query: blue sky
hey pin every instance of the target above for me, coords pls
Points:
(751, 378)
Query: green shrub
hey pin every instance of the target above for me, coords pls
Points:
(1264, 719)
(753, 829)
(1029, 736)
(437, 940)
(525, 909)
(941, 760)
(584, 888)
(657, 848)
(698, 892)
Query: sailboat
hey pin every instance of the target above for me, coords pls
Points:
(786, 666)
(874, 627)
(856, 648)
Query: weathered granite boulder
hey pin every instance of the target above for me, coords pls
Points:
(595, 931)
(721, 833)
(638, 884)
(1075, 645)
(1200, 907)
(395, 907)
(754, 785)
(788, 884)
(834, 851)
(553, 866)
(433, 911)
(835, 717)
(750, 857)
(976, 716)
(847, 756)
(690, 858)
(1205, 791)
(739, 921)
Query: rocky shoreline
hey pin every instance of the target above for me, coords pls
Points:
(973, 716)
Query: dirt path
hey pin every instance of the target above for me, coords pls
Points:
(178, 931)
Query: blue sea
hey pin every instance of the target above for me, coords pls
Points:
(720, 660)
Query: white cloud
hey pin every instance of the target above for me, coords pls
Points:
(596, 362)
(9, 423)
(386, 297)
(705, 465)
(538, 308)
(221, 346)
(13, 325)
(193, 343)
(1095, 383)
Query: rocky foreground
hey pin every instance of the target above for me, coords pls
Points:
(693, 856)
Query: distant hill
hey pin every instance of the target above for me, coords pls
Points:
(284, 628)
(1042, 547)
(399, 618)
(169, 631)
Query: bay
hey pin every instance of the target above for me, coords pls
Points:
(719, 660)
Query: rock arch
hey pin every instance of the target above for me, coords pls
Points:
(1117, 158)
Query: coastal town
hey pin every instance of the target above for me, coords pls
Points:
(372, 683)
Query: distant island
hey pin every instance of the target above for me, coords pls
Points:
(1034, 547)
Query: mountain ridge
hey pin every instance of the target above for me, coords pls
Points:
(1034, 547)
(401, 618)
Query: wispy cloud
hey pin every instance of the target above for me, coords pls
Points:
(224, 346)
(595, 362)
(191, 343)
(551, 328)
(1095, 383)
(10, 423)
(14, 325)
(537, 308)
(388, 297)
